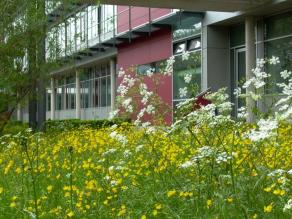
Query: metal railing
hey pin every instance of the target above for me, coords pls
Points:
(92, 31)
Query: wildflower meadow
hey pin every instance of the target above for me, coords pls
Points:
(207, 164)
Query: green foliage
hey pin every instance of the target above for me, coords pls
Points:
(14, 127)
(71, 124)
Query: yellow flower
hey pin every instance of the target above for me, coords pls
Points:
(269, 208)
(154, 212)
(12, 204)
(209, 203)
(70, 214)
(50, 188)
(280, 192)
(268, 189)
(158, 206)
(1, 190)
(143, 216)
(229, 199)
(255, 216)
(171, 193)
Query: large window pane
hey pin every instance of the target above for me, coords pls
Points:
(182, 68)
(186, 27)
(281, 48)
(277, 26)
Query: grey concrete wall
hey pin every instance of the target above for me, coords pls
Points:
(215, 57)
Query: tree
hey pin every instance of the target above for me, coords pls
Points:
(23, 68)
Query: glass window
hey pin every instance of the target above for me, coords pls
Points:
(194, 44)
(277, 26)
(182, 68)
(281, 48)
(142, 69)
(186, 27)
(103, 93)
(237, 35)
(179, 48)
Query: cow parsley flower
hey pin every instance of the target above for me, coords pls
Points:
(185, 55)
(187, 164)
(288, 206)
(285, 74)
(183, 92)
(188, 78)
(274, 60)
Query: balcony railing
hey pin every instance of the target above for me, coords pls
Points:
(94, 26)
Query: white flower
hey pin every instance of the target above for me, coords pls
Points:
(185, 55)
(121, 72)
(237, 91)
(187, 164)
(288, 205)
(188, 78)
(109, 151)
(127, 153)
(222, 157)
(113, 182)
(285, 74)
(118, 137)
(183, 92)
(150, 109)
(127, 105)
(260, 63)
(139, 147)
(122, 90)
(266, 128)
(274, 60)
(242, 113)
(113, 114)
(169, 66)
(146, 124)
(150, 130)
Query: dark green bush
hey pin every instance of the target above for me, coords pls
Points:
(63, 125)
(13, 127)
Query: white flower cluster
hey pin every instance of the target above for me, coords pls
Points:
(285, 103)
(145, 93)
(169, 66)
(183, 92)
(188, 78)
(127, 153)
(127, 105)
(242, 113)
(113, 114)
(185, 55)
(222, 158)
(258, 79)
(126, 84)
(118, 137)
(205, 153)
(109, 151)
(288, 206)
(265, 130)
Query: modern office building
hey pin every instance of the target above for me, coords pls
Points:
(93, 42)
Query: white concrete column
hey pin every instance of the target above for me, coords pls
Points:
(250, 63)
(78, 96)
(113, 83)
(19, 112)
(53, 98)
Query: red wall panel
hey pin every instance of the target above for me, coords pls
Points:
(139, 16)
(146, 50)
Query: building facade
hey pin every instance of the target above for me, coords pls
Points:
(94, 42)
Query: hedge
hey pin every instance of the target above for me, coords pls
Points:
(69, 124)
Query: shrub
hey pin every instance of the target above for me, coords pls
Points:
(70, 124)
